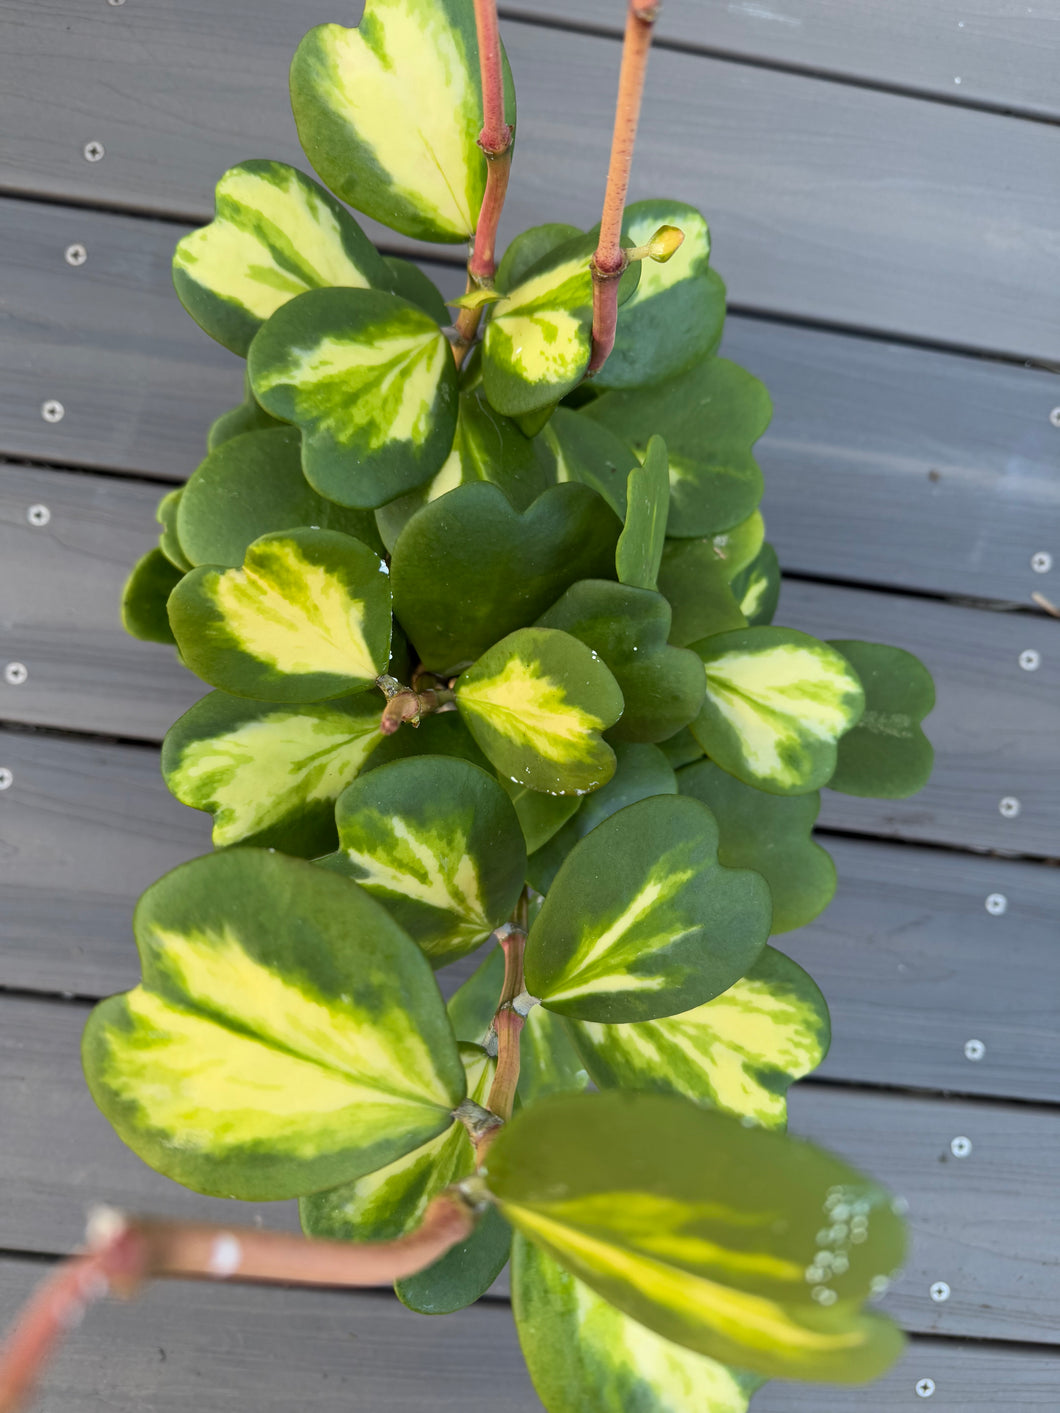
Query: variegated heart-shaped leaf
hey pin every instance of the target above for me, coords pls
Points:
(268, 772)
(675, 317)
(705, 1230)
(548, 1061)
(145, 595)
(307, 617)
(528, 248)
(662, 686)
(536, 703)
(756, 587)
(486, 447)
(887, 754)
(777, 703)
(288, 1036)
(773, 834)
(492, 568)
(574, 448)
(370, 380)
(389, 113)
(250, 486)
(585, 1356)
(642, 921)
(438, 841)
(640, 545)
(740, 1052)
(276, 234)
(711, 415)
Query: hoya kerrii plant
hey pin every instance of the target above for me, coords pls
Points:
(487, 608)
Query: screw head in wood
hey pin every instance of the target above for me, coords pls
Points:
(960, 1146)
(52, 410)
(974, 1050)
(1030, 659)
(6, 778)
(1041, 561)
(1009, 807)
(996, 903)
(115, 2)
(38, 515)
(75, 254)
(939, 1292)
(15, 673)
(925, 1388)
(94, 151)
(1054, 417)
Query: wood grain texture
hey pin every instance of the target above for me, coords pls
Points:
(910, 960)
(1003, 52)
(973, 1223)
(827, 201)
(884, 464)
(227, 1347)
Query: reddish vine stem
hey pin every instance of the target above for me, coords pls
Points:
(124, 1252)
(508, 1027)
(610, 260)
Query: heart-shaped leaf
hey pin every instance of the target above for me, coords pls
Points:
(370, 380)
(662, 685)
(464, 1274)
(169, 540)
(710, 417)
(270, 773)
(287, 1036)
(707, 1231)
(641, 771)
(492, 568)
(145, 595)
(307, 617)
(576, 449)
(640, 545)
(389, 113)
(250, 486)
(777, 702)
(276, 234)
(438, 841)
(536, 703)
(548, 1061)
(528, 248)
(756, 588)
(486, 447)
(740, 1052)
(696, 586)
(642, 921)
(247, 417)
(886, 755)
(540, 815)
(771, 834)
(675, 317)
(585, 1356)
(681, 749)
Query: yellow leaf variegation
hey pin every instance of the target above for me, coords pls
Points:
(388, 113)
(744, 1245)
(276, 234)
(777, 703)
(288, 1036)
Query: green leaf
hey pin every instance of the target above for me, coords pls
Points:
(370, 380)
(771, 834)
(676, 315)
(287, 1036)
(777, 702)
(640, 545)
(486, 447)
(464, 1274)
(441, 735)
(585, 1356)
(493, 569)
(276, 234)
(641, 771)
(740, 1052)
(169, 541)
(757, 587)
(438, 841)
(389, 113)
(886, 755)
(576, 449)
(710, 416)
(548, 1062)
(735, 549)
(696, 586)
(681, 749)
(250, 486)
(662, 686)
(642, 921)
(539, 815)
(247, 417)
(529, 248)
(473, 1005)
(306, 618)
(143, 599)
(707, 1231)
(269, 773)
(412, 284)
(536, 703)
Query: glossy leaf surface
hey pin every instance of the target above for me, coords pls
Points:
(642, 921)
(145, 595)
(886, 754)
(288, 1036)
(577, 449)
(307, 617)
(757, 587)
(640, 545)
(696, 586)
(540, 815)
(169, 540)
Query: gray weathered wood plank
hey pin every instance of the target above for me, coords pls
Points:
(996, 728)
(885, 463)
(907, 954)
(230, 1347)
(828, 201)
(973, 1223)
(1004, 53)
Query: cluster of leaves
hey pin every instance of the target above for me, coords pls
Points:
(576, 575)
